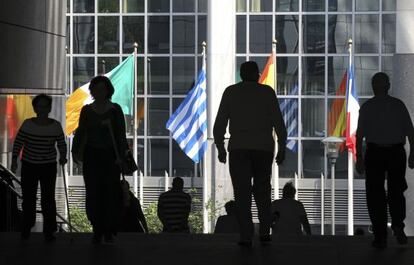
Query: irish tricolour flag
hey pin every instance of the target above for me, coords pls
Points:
(352, 110)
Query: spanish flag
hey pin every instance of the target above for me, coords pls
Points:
(18, 108)
(268, 75)
(122, 78)
(337, 113)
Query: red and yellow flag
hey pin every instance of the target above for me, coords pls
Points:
(337, 113)
(268, 75)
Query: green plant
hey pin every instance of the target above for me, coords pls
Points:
(154, 224)
(79, 220)
(195, 219)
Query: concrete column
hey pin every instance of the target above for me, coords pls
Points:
(403, 85)
(221, 52)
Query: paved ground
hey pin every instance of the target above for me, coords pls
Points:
(199, 249)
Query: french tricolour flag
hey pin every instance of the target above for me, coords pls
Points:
(352, 110)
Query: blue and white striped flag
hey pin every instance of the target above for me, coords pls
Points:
(289, 109)
(188, 124)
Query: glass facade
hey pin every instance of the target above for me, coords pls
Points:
(312, 58)
(101, 33)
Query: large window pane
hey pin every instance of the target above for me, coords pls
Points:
(260, 5)
(241, 34)
(290, 166)
(387, 67)
(313, 117)
(340, 5)
(241, 5)
(202, 6)
(83, 70)
(108, 6)
(68, 33)
(202, 31)
(158, 114)
(83, 6)
(158, 34)
(312, 5)
(83, 34)
(183, 34)
(337, 67)
(339, 31)
(287, 5)
(133, 32)
(388, 5)
(183, 5)
(367, 5)
(287, 75)
(388, 33)
(158, 75)
(313, 159)
(314, 34)
(287, 30)
(159, 6)
(106, 64)
(108, 35)
(290, 111)
(260, 34)
(366, 33)
(133, 6)
(365, 68)
(158, 153)
(182, 165)
(183, 73)
(313, 75)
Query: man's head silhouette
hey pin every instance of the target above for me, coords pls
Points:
(249, 71)
(289, 191)
(178, 183)
(380, 84)
(230, 207)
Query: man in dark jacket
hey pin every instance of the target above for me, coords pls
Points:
(385, 123)
(253, 112)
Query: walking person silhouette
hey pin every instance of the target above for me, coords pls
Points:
(384, 122)
(253, 112)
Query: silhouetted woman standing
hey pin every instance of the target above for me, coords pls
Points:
(94, 146)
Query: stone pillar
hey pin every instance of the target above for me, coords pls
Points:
(403, 85)
(221, 54)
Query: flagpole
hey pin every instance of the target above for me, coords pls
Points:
(276, 166)
(205, 179)
(296, 186)
(322, 204)
(350, 170)
(135, 144)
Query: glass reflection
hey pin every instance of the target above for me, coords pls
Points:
(366, 34)
(159, 6)
(158, 114)
(158, 75)
(313, 159)
(365, 68)
(287, 30)
(313, 75)
(183, 5)
(287, 75)
(106, 64)
(108, 34)
(289, 108)
(108, 6)
(314, 34)
(202, 32)
(202, 6)
(313, 117)
(241, 34)
(340, 5)
(312, 5)
(157, 152)
(388, 5)
(183, 74)
(241, 5)
(83, 34)
(337, 67)
(387, 66)
(287, 5)
(260, 34)
(260, 5)
(388, 34)
(83, 70)
(339, 31)
(158, 34)
(129, 120)
(133, 31)
(290, 165)
(183, 34)
(133, 6)
(83, 6)
(367, 5)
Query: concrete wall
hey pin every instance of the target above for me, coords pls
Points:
(32, 46)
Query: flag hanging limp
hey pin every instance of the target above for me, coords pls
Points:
(122, 78)
(352, 110)
(188, 124)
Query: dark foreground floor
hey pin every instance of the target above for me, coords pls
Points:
(199, 249)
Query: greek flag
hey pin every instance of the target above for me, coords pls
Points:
(289, 109)
(188, 124)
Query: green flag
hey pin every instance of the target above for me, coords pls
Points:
(122, 78)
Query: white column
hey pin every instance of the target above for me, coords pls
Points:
(221, 57)
(401, 85)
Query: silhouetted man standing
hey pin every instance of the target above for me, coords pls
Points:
(253, 112)
(385, 123)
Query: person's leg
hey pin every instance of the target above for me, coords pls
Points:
(375, 191)
(48, 202)
(241, 174)
(396, 186)
(262, 171)
(29, 179)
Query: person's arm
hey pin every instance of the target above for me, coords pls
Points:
(279, 126)
(220, 125)
(62, 147)
(120, 130)
(79, 139)
(409, 130)
(359, 140)
(304, 220)
(18, 145)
